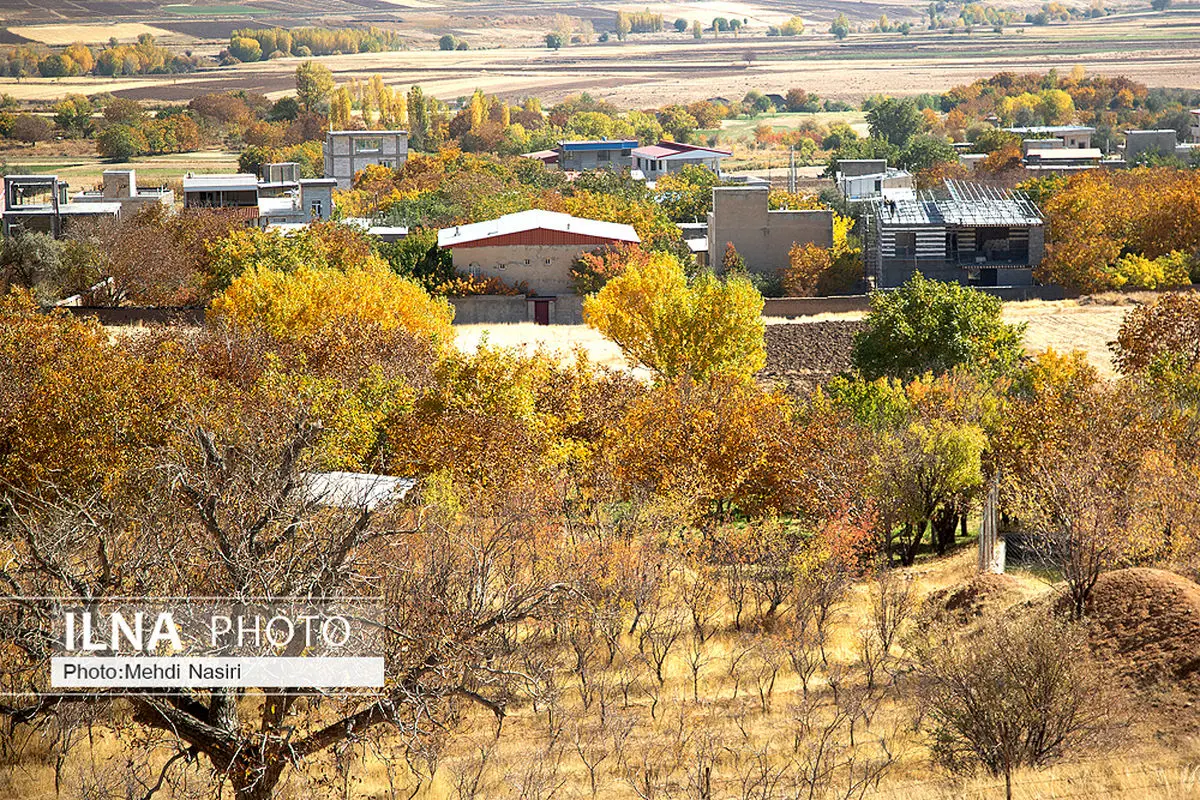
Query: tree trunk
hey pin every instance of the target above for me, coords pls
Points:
(909, 553)
(1007, 784)
(944, 522)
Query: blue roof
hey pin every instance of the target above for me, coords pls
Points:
(603, 144)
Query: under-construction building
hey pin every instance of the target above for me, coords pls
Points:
(964, 233)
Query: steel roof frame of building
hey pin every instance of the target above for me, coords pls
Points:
(964, 204)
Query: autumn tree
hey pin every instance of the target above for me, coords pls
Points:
(30, 129)
(702, 447)
(675, 326)
(591, 271)
(314, 83)
(929, 325)
(1163, 334)
(1072, 453)
(232, 509)
(307, 301)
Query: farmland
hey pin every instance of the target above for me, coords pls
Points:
(507, 57)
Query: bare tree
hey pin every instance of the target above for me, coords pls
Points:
(1020, 692)
(229, 515)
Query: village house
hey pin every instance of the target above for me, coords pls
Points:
(741, 216)
(40, 203)
(614, 154)
(666, 158)
(536, 248)
(120, 186)
(1078, 137)
(347, 152)
(870, 178)
(280, 197)
(967, 233)
(1155, 143)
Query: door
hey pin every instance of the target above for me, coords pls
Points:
(541, 312)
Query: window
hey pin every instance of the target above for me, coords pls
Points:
(528, 262)
(604, 155)
(547, 262)
(385, 162)
(906, 244)
(373, 145)
(316, 209)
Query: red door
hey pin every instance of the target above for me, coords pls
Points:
(541, 312)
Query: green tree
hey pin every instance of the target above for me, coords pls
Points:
(924, 151)
(73, 114)
(840, 27)
(676, 327)
(931, 326)
(418, 119)
(447, 42)
(121, 143)
(314, 83)
(554, 40)
(896, 120)
(681, 25)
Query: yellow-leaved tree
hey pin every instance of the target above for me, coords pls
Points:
(308, 303)
(678, 327)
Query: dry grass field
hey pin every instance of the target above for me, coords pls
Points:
(652, 728)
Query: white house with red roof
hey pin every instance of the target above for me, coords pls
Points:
(532, 247)
(667, 157)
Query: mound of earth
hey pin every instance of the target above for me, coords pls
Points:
(968, 601)
(808, 353)
(1145, 625)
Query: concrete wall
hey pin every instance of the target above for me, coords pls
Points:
(490, 309)
(1157, 142)
(140, 316)
(342, 159)
(811, 306)
(740, 215)
(496, 310)
(548, 271)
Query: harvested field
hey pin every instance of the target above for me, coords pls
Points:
(805, 354)
(507, 57)
(92, 34)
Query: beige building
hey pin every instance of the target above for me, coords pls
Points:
(347, 152)
(535, 248)
(120, 186)
(763, 237)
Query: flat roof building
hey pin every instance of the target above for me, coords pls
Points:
(120, 186)
(741, 215)
(281, 196)
(348, 152)
(581, 156)
(40, 203)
